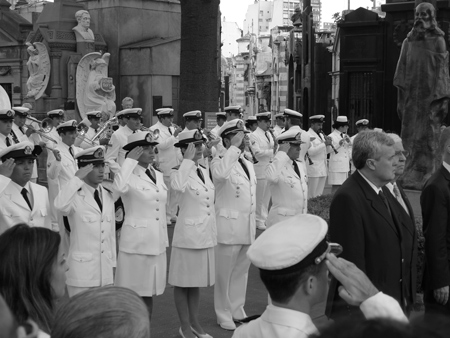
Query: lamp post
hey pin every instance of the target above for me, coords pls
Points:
(251, 82)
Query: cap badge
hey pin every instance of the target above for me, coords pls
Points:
(74, 124)
(98, 153)
(298, 137)
(240, 125)
(9, 113)
(98, 115)
(149, 138)
(27, 150)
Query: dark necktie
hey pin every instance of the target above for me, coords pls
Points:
(71, 152)
(294, 164)
(200, 174)
(244, 167)
(14, 137)
(8, 142)
(170, 131)
(25, 197)
(267, 135)
(97, 199)
(385, 201)
(95, 130)
(134, 132)
(22, 130)
(149, 174)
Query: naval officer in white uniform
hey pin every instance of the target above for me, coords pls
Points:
(195, 235)
(21, 201)
(235, 181)
(286, 179)
(339, 163)
(89, 208)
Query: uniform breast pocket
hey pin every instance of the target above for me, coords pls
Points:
(194, 222)
(236, 179)
(90, 219)
(81, 265)
(229, 214)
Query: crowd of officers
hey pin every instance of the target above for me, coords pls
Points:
(215, 185)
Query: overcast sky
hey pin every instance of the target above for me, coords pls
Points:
(234, 10)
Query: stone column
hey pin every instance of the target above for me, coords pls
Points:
(56, 92)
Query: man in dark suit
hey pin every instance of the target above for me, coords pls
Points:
(364, 224)
(404, 214)
(435, 202)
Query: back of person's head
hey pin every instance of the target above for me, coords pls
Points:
(27, 256)
(282, 287)
(367, 144)
(443, 140)
(107, 312)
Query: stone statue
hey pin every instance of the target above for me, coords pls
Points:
(422, 79)
(5, 103)
(82, 31)
(38, 68)
(95, 90)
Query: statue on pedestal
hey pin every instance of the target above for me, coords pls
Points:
(82, 31)
(95, 90)
(423, 82)
(38, 68)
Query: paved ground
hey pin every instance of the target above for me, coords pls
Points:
(165, 320)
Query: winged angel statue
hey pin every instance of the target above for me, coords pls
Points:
(5, 103)
(38, 68)
(95, 90)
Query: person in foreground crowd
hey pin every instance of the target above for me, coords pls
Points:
(251, 123)
(361, 125)
(320, 147)
(399, 204)
(263, 147)
(233, 112)
(235, 182)
(339, 163)
(294, 122)
(21, 201)
(32, 273)
(434, 201)
(221, 117)
(286, 179)
(296, 276)
(167, 156)
(192, 120)
(111, 312)
(142, 262)
(362, 221)
(85, 140)
(195, 234)
(89, 208)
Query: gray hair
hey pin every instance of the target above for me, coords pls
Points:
(367, 144)
(111, 311)
(443, 140)
(79, 14)
(394, 137)
(127, 99)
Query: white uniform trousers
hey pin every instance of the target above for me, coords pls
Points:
(316, 186)
(232, 266)
(171, 204)
(262, 201)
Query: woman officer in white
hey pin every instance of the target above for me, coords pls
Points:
(142, 262)
(195, 235)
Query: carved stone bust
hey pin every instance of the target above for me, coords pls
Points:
(82, 31)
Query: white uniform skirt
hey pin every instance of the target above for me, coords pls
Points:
(337, 178)
(192, 267)
(144, 274)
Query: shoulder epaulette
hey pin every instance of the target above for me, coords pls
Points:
(201, 165)
(176, 168)
(107, 190)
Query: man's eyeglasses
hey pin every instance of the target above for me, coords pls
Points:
(402, 152)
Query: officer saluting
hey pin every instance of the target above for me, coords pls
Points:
(235, 182)
(89, 208)
(287, 179)
(21, 201)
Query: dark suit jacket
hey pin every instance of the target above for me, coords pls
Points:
(407, 224)
(362, 224)
(435, 202)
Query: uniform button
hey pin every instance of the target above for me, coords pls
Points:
(103, 241)
(31, 218)
(238, 188)
(103, 231)
(157, 200)
(157, 219)
(401, 280)
(207, 205)
(102, 251)
(206, 190)
(157, 190)
(237, 195)
(157, 209)
(207, 198)
(209, 214)
(198, 193)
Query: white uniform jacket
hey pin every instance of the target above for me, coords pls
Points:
(84, 141)
(263, 150)
(14, 209)
(115, 154)
(289, 192)
(92, 251)
(168, 154)
(235, 199)
(277, 130)
(339, 162)
(277, 322)
(318, 154)
(196, 223)
(63, 170)
(144, 230)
